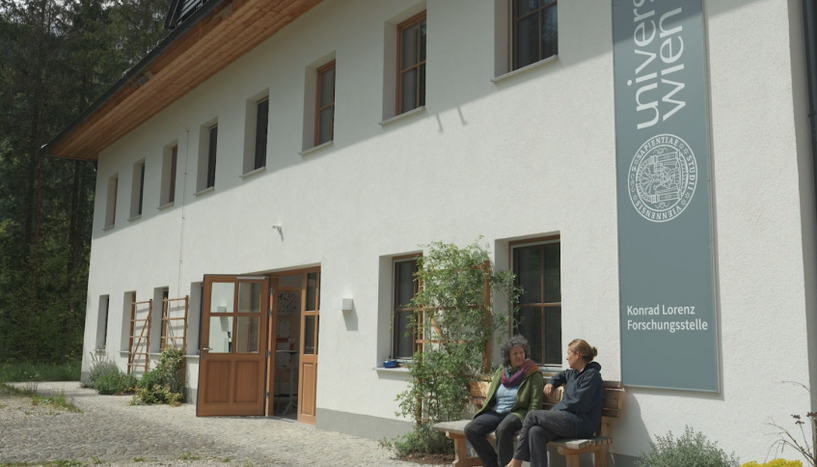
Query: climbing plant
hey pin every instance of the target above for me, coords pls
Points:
(454, 313)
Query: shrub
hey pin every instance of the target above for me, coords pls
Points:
(114, 382)
(774, 463)
(165, 383)
(100, 365)
(423, 440)
(690, 450)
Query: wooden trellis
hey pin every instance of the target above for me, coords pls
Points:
(144, 336)
(169, 337)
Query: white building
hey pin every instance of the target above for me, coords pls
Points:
(359, 161)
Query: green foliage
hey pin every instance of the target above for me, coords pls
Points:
(22, 372)
(450, 314)
(56, 58)
(690, 450)
(114, 383)
(421, 440)
(165, 383)
(100, 365)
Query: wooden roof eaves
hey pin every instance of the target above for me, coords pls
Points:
(131, 74)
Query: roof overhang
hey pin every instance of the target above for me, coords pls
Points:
(207, 42)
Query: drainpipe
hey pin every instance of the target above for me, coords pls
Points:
(810, 16)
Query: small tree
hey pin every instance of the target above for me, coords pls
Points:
(454, 314)
(802, 439)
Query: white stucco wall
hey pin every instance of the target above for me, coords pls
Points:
(526, 156)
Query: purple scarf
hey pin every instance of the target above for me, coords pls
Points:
(528, 367)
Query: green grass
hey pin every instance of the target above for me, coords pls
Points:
(188, 456)
(56, 400)
(25, 372)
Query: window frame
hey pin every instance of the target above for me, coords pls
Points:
(514, 20)
(514, 247)
(397, 309)
(416, 19)
(319, 73)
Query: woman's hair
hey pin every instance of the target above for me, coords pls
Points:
(581, 347)
(505, 350)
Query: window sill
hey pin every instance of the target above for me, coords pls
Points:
(403, 115)
(518, 71)
(108, 227)
(253, 172)
(401, 369)
(204, 191)
(165, 206)
(136, 217)
(316, 148)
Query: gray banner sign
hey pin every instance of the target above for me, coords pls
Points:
(668, 325)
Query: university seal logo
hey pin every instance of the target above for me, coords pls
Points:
(662, 178)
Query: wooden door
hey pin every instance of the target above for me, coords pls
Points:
(308, 359)
(272, 314)
(233, 355)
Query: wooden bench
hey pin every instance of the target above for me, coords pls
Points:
(570, 448)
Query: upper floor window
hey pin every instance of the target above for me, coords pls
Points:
(110, 207)
(211, 156)
(261, 131)
(325, 110)
(411, 63)
(138, 189)
(535, 31)
(405, 287)
(208, 145)
(538, 272)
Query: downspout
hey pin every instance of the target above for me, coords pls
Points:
(810, 16)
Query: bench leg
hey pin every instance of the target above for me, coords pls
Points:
(461, 458)
(572, 460)
(601, 457)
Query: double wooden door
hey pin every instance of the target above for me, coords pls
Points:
(237, 358)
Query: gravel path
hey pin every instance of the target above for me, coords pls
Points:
(115, 433)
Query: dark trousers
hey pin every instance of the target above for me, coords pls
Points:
(505, 425)
(541, 427)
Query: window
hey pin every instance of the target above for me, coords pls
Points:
(261, 129)
(208, 145)
(405, 287)
(537, 269)
(102, 322)
(169, 161)
(411, 63)
(110, 208)
(535, 31)
(211, 156)
(137, 189)
(325, 110)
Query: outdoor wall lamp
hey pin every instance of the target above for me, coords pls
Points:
(342, 304)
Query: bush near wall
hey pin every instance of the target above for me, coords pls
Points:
(774, 463)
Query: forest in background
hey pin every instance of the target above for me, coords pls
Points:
(56, 58)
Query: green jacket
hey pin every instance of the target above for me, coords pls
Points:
(529, 396)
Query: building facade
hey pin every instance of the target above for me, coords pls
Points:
(322, 159)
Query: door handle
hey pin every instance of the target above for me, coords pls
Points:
(206, 349)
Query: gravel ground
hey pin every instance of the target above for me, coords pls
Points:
(116, 434)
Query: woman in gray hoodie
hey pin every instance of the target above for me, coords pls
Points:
(577, 415)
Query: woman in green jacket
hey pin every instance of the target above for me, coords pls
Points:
(516, 389)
